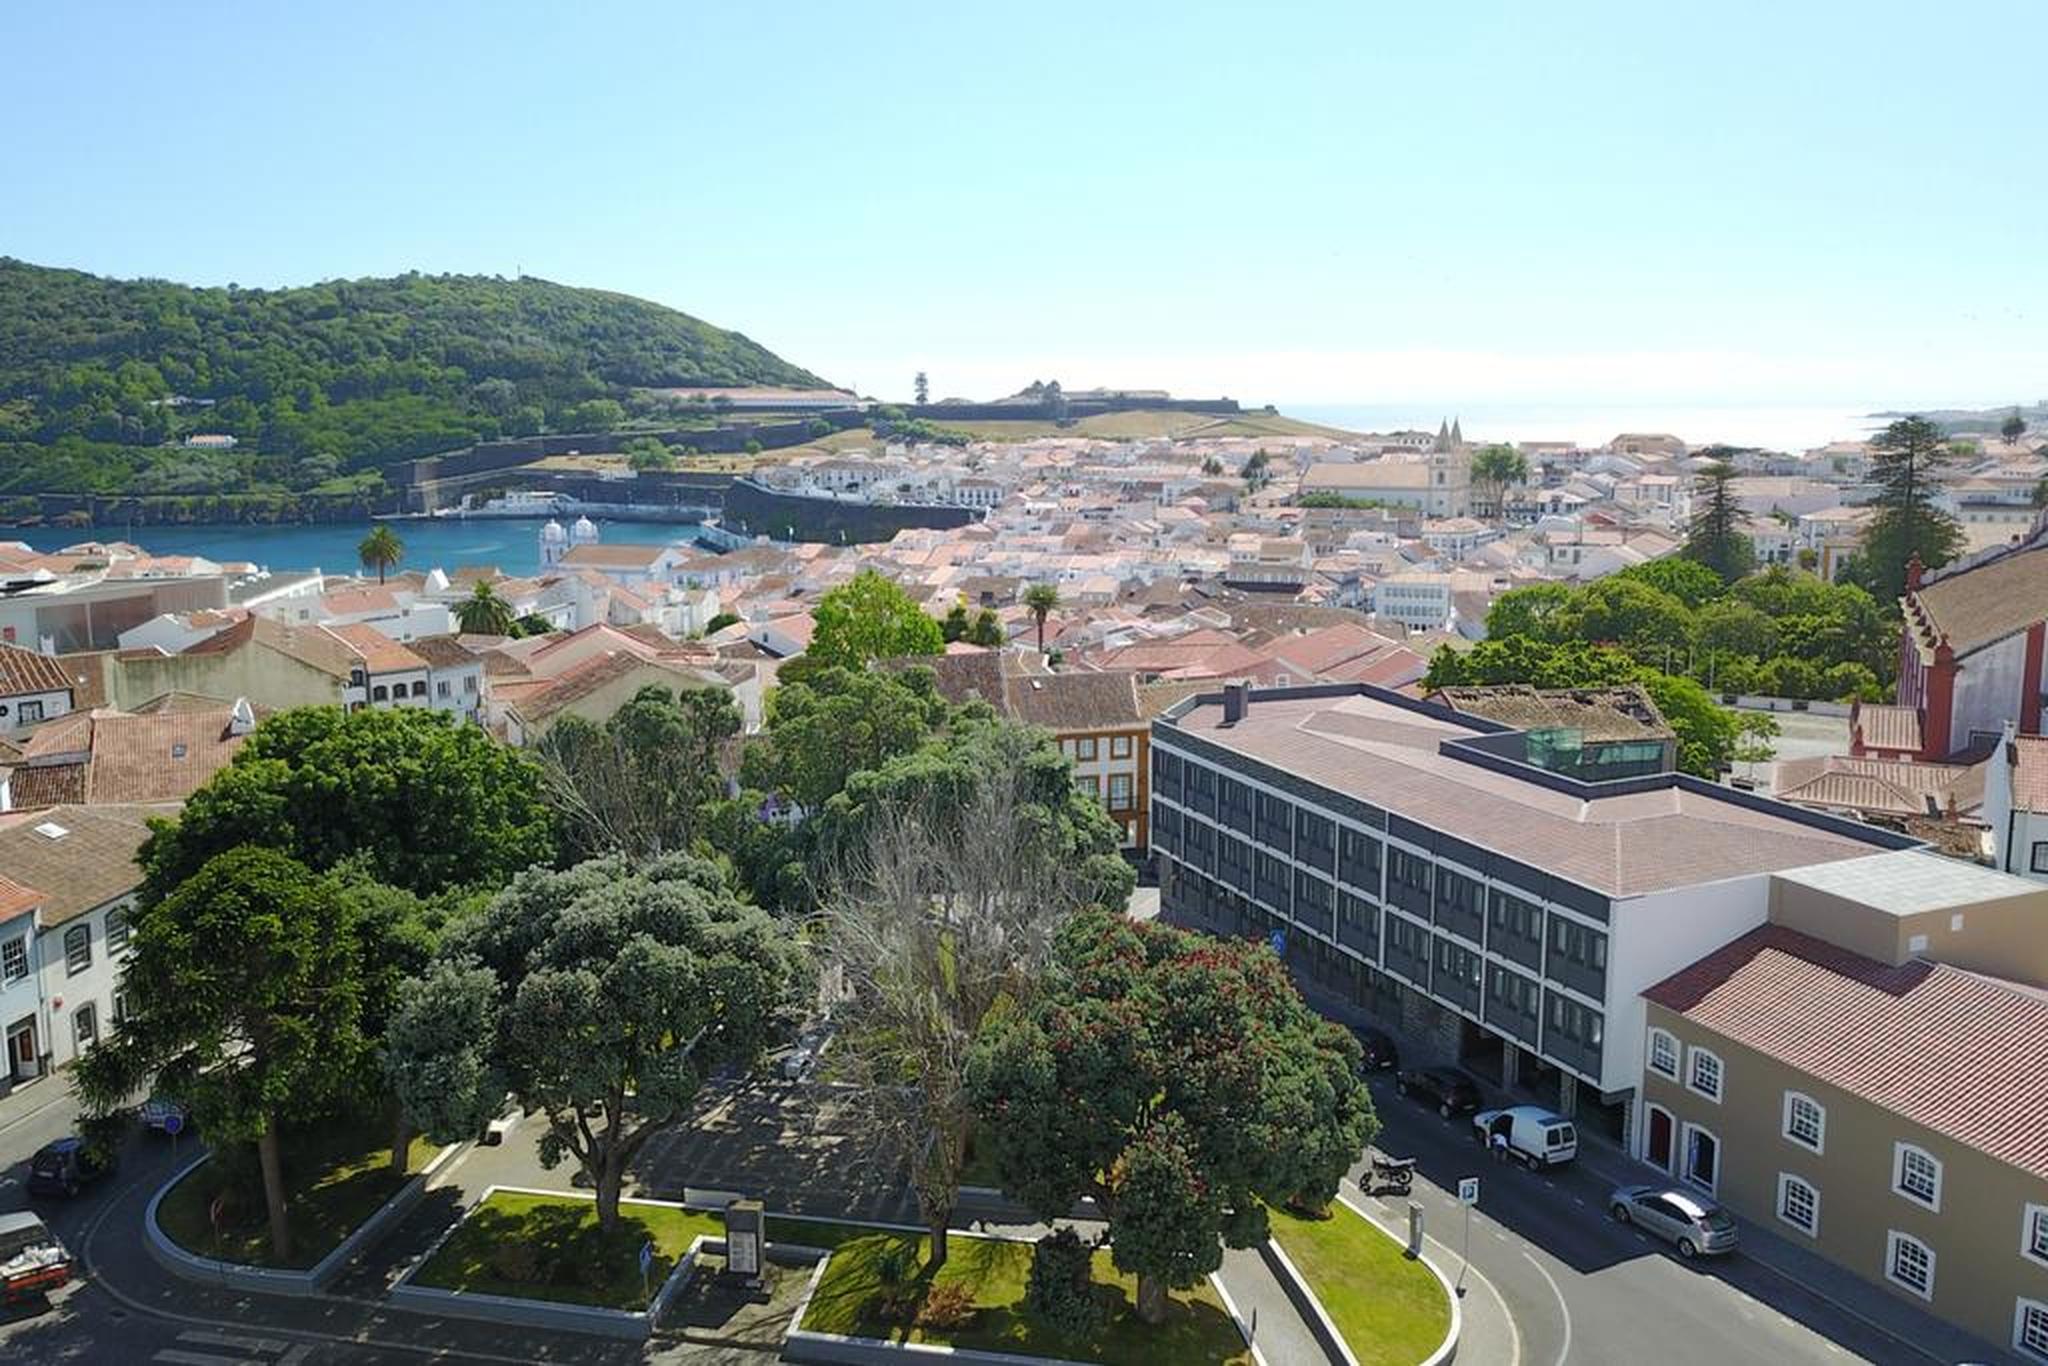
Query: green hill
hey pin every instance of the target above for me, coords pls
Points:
(320, 385)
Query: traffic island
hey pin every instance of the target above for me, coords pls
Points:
(210, 1223)
(1365, 1297)
(848, 1318)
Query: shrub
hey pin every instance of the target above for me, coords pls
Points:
(1060, 1289)
(517, 1262)
(948, 1306)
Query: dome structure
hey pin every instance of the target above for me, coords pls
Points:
(584, 532)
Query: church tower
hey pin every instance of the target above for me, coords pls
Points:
(1450, 473)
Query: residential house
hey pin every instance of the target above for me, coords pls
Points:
(161, 753)
(1972, 649)
(33, 688)
(1100, 726)
(1862, 1075)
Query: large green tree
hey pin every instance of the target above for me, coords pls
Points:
(248, 1000)
(947, 873)
(1906, 461)
(1715, 537)
(871, 618)
(601, 997)
(1180, 1082)
(428, 803)
(1646, 622)
(835, 723)
(1495, 470)
(637, 782)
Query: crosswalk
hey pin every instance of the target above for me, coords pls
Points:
(205, 1347)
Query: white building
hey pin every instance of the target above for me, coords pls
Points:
(33, 688)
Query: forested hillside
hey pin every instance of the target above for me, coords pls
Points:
(99, 378)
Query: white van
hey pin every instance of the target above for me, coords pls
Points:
(1535, 1135)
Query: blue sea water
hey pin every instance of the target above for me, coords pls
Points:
(512, 544)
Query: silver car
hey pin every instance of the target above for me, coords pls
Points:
(1693, 1222)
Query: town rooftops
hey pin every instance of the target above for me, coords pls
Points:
(1957, 1052)
(1371, 474)
(1651, 836)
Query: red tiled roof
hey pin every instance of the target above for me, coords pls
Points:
(1956, 1052)
(379, 652)
(25, 671)
(16, 899)
(2030, 778)
(1889, 727)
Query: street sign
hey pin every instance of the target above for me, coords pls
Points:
(1468, 1190)
(646, 1256)
(174, 1123)
(1279, 942)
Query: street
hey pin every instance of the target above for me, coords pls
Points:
(1583, 1289)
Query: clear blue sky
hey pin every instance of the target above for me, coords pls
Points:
(1803, 202)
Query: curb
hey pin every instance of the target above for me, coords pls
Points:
(311, 1281)
(1319, 1321)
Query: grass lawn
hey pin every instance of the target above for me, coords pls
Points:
(1391, 1311)
(571, 1260)
(336, 1175)
(1197, 1332)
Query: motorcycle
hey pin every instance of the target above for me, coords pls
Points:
(1392, 1175)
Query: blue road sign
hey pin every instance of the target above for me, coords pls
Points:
(174, 1124)
(1279, 942)
(646, 1256)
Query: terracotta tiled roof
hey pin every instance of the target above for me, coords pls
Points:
(54, 785)
(313, 646)
(1984, 603)
(164, 756)
(1889, 727)
(1959, 1053)
(960, 678)
(25, 671)
(379, 652)
(1075, 701)
(1893, 786)
(2030, 778)
(16, 899)
(640, 557)
(88, 864)
(443, 652)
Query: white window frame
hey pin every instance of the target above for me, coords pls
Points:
(2019, 1328)
(1119, 746)
(118, 931)
(89, 1012)
(1658, 1036)
(1892, 1242)
(1899, 1151)
(1820, 1130)
(19, 944)
(72, 965)
(1692, 1065)
(1685, 1158)
(1787, 1180)
(2033, 1219)
(1084, 749)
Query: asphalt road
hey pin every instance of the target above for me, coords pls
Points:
(1583, 1289)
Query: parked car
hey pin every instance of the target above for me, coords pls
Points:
(1381, 1054)
(1691, 1221)
(1535, 1136)
(1452, 1091)
(157, 1114)
(32, 1259)
(65, 1167)
(504, 1122)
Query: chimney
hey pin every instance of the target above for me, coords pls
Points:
(1237, 699)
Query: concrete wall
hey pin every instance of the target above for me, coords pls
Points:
(1989, 684)
(2007, 937)
(754, 510)
(1653, 937)
(1980, 1272)
(265, 677)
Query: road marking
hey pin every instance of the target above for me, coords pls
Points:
(171, 1356)
(58, 1099)
(1564, 1350)
(207, 1338)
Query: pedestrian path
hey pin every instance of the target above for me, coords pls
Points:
(1280, 1336)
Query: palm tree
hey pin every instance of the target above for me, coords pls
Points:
(380, 550)
(484, 613)
(1041, 598)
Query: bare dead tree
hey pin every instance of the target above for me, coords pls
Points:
(637, 784)
(943, 912)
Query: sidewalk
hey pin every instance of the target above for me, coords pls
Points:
(1921, 1334)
